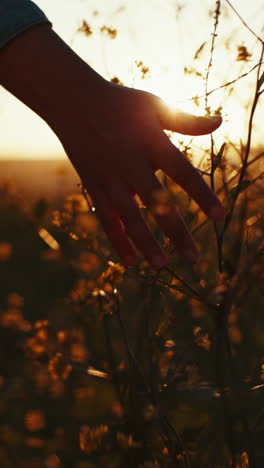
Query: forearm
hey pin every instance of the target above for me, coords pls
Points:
(44, 73)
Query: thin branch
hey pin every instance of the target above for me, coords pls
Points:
(244, 22)
(247, 152)
(250, 123)
(217, 13)
(195, 294)
(225, 85)
(229, 83)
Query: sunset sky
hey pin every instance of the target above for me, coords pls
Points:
(164, 34)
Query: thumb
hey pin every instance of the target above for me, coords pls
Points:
(181, 122)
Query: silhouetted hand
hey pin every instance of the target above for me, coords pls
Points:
(114, 137)
(115, 140)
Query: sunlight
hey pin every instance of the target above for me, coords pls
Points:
(178, 91)
(163, 45)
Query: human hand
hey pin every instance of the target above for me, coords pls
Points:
(115, 139)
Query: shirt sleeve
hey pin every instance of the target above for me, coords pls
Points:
(16, 16)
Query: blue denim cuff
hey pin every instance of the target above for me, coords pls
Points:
(16, 16)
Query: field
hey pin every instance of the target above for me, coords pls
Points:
(77, 369)
(103, 365)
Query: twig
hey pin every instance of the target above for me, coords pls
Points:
(217, 13)
(223, 339)
(130, 352)
(86, 196)
(225, 85)
(221, 316)
(229, 83)
(243, 21)
(195, 294)
(110, 353)
(247, 153)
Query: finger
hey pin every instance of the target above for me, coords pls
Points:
(113, 227)
(177, 166)
(184, 123)
(155, 198)
(135, 226)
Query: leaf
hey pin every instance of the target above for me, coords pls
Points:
(199, 50)
(218, 156)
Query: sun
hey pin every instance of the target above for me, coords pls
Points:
(186, 93)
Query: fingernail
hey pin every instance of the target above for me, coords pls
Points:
(217, 212)
(158, 261)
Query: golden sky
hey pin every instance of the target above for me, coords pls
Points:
(164, 34)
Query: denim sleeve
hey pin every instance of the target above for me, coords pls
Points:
(17, 16)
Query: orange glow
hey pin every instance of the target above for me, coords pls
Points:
(166, 46)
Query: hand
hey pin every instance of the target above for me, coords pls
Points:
(114, 137)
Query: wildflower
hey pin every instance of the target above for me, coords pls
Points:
(169, 344)
(75, 204)
(34, 442)
(201, 339)
(58, 369)
(235, 334)
(144, 70)
(117, 81)
(91, 438)
(5, 251)
(85, 29)
(78, 352)
(13, 318)
(34, 420)
(88, 262)
(197, 309)
(15, 300)
(244, 461)
(114, 273)
(117, 409)
(110, 32)
(243, 54)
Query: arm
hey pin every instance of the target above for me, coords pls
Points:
(114, 137)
